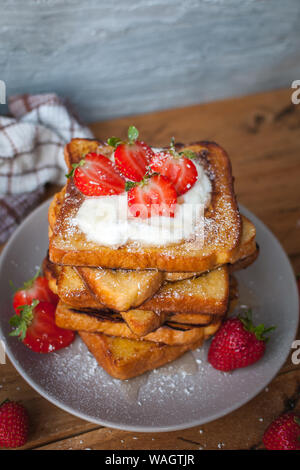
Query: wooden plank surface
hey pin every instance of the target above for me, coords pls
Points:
(262, 135)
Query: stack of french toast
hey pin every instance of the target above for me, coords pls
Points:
(139, 305)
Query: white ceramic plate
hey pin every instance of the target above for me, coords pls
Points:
(186, 393)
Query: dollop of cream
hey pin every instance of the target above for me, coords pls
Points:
(107, 221)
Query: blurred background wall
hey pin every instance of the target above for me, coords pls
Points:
(121, 57)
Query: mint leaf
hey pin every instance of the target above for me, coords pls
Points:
(74, 166)
(133, 134)
(188, 154)
(129, 185)
(114, 141)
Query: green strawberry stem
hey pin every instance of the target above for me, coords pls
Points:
(29, 284)
(260, 331)
(185, 153)
(4, 401)
(114, 141)
(21, 322)
(74, 166)
(133, 134)
(143, 182)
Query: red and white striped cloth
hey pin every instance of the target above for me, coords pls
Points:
(31, 153)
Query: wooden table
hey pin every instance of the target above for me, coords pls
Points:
(262, 135)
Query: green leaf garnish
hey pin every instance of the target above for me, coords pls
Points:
(74, 166)
(188, 154)
(114, 141)
(172, 147)
(22, 321)
(28, 284)
(184, 153)
(133, 134)
(260, 331)
(129, 185)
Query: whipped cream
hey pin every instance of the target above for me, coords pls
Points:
(107, 221)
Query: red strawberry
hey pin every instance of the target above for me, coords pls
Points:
(96, 175)
(35, 288)
(14, 424)
(132, 157)
(237, 344)
(179, 169)
(35, 325)
(155, 195)
(283, 433)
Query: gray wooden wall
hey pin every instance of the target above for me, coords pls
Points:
(120, 57)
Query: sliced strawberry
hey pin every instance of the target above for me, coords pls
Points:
(132, 157)
(35, 288)
(180, 170)
(96, 175)
(35, 325)
(155, 195)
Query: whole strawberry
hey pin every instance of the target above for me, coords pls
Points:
(237, 344)
(283, 433)
(14, 424)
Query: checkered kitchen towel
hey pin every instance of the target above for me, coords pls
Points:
(31, 153)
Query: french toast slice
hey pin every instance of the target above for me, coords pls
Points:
(245, 251)
(95, 287)
(112, 324)
(142, 322)
(222, 227)
(198, 319)
(122, 289)
(124, 358)
(242, 256)
(51, 271)
(71, 289)
(208, 293)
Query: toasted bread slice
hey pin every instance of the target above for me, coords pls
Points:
(244, 262)
(247, 250)
(77, 295)
(124, 358)
(241, 257)
(71, 289)
(222, 230)
(121, 290)
(208, 293)
(142, 322)
(112, 324)
(54, 209)
(51, 271)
